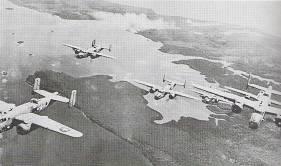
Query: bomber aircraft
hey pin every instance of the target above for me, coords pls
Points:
(261, 103)
(162, 91)
(25, 115)
(92, 52)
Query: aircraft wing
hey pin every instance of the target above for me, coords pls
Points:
(183, 95)
(258, 87)
(53, 96)
(211, 95)
(226, 95)
(241, 92)
(106, 56)
(265, 89)
(74, 47)
(273, 110)
(5, 106)
(276, 92)
(48, 123)
(275, 102)
(148, 84)
(2, 102)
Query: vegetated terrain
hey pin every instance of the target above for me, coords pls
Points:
(81, 10)
(118, 129)
(248, 49)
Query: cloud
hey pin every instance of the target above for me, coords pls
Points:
(133, 22)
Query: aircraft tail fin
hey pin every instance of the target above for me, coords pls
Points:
(180, 83)
(72, 99)
(54, 96)
(36, 85)
(248, 81)
(184, 84)
(254, 85)
(93, 43)
(109, 48)
(175, 82)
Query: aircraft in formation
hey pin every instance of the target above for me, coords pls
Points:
(23, 116)
(26, 115)
(161, 91)
(92, 52)
(261, 103)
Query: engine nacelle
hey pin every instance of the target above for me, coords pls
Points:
(76, 51)
(94, 55)
(209, 100)
(152, 90)
(23, 128)
(172, 96)
(255, 120)
(237, 107)
(80, 55)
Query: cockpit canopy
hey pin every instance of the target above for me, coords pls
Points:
(3, 119)
(265, 94)
(4, 109)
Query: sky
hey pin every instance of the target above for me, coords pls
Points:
(262, 15)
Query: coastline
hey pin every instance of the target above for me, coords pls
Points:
(174, 143)
(125, 114)
(191, 37)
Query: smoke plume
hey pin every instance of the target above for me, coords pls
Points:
(133, 22)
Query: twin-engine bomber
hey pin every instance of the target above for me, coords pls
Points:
(26, 115)
(161, 91)
(93, 52)
(261, 103)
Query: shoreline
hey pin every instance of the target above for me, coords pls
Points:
(171, 38)
(122, 108)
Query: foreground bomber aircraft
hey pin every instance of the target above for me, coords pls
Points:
(23, 116)
(92, 52)
(261, 103)
(161, 92)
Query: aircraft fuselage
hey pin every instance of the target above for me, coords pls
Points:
(34, 106)
(161, 93)
(90, 52)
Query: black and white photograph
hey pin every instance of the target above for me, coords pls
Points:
(140, 83)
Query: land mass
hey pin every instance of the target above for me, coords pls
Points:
(75, 10)
(216, 72)
(116, 121)
(247, 49)
(119, 130)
